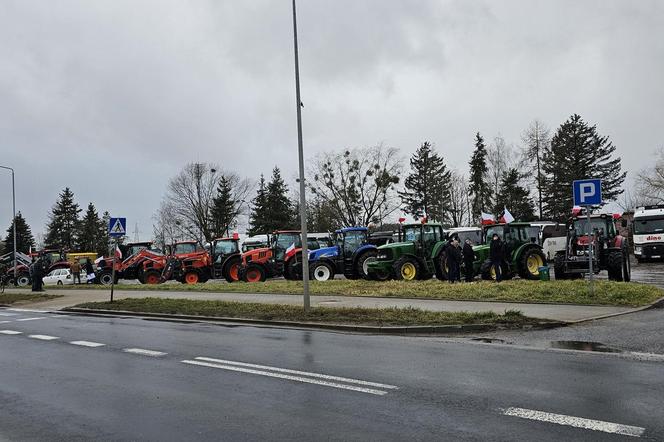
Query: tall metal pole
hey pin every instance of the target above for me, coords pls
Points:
(303, 201)
(14, 219)
(590, 253)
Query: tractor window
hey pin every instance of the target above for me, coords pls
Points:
(283, 242)
(225, 247)
(412, 233)
(599, 224)
(495, 230)
(186, 248)
(430, 236)
(353, 240)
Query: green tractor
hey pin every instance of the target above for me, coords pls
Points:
(523, 254)
(417, 255)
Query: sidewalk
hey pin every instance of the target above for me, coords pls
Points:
(555, 312)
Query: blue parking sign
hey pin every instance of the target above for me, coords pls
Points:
(117, 227)
(587, 192)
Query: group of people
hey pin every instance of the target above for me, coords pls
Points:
(456, 255)
(40, 266)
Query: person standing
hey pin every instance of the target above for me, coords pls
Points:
(454, 261)
(37, 275)
(468, 259)
(90, 271)
(76, 271)
(496, 255)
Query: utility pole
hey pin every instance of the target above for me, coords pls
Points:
(303, 201)
(14, 219)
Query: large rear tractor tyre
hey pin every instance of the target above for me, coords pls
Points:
(293, 270)
(23, 280)
(530, 262)
(487, 271)
(559, 268)
(105, 277)
(151, 277)
(231, 269)
(615, 265)
(406, 269)
(322, 271)
(191, 277)
(362, 264)
(442, 270)
(254, 273)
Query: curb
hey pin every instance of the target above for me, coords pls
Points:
(657, 304)
(383, 330)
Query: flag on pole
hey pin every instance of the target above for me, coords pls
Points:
(290, 248)
(507, 217)
(488, 219)
(118, 252)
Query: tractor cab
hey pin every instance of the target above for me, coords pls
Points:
(423, 236)
(186, 248)
(226, 258)
(513, 235)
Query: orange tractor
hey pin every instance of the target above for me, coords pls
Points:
(282, 257)
(143, 265)
(189, 263)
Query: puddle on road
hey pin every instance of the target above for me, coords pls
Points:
(584, 346)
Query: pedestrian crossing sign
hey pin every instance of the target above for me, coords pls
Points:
(117, 226)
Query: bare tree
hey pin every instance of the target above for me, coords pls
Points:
(535, 139)
(358, 184)
(651, 187)
(458, 214)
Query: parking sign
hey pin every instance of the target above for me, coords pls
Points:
(587, 192)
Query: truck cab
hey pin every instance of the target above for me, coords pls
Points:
(648, 230)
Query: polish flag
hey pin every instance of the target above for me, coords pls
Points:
(118, 252)
(507, 217)
(290, 248)
(576, 211)
(488, 219)
(402, 219)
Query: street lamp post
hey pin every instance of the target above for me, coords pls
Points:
(303, 206)
(14, 219)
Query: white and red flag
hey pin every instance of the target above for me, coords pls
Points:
(118, 252)
(487, 219)
(507, 217)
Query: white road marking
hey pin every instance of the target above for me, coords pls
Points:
(304, 373)
(10, 332)
(43, 337)
(27, 310)
(285, 376)
(141, 351)
(30, 319)
(87, 344)
(4, 322)
(8, 314)
(573, 421)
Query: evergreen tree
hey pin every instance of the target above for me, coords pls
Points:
(92, 232)
(258, 219)
(514, 196)
(103, 239)
(577, 151)
(281, 214)
(63, 222)
(479, 188)
(427, 186)
(24, 238)
(224, 208)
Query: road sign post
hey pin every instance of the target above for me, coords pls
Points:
(588, 193)
(117, 228)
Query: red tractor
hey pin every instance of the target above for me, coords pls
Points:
(282, 257)
(610, 249)
(133, 267)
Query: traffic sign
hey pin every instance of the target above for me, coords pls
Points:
(117, 227)
(587, 192)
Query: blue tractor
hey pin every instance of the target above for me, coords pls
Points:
(353, 249)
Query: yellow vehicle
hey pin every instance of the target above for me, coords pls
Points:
(81, 257)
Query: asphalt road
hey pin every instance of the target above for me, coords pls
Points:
(81, 378)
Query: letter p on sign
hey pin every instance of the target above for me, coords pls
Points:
(587, 192)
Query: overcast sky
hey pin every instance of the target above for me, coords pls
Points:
(112, 97)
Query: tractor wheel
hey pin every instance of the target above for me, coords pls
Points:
(627, 266)
(231, 270)
(362, 264)
(615, 265)
(487, 271)
(440, 264)
(151, 277)
(191, 277)
(105, 277)
(406, 269)
(290, 272)
(379, 276)
(559, 267)
(530, 262)
(254, 273)
(322, 271)
(23, 280)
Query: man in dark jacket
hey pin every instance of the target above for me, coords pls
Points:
(496, 255)
(37, 275)
(468, 259)
(454, 261)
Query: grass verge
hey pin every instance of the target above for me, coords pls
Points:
(564, 292)
(332, 315)
(24, 298)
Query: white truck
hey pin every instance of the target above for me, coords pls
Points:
(648, 230)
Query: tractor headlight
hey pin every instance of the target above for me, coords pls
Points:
(381, 256)
(638, 250)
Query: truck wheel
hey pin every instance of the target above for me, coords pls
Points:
(406, 269)
(254, 273)
(322, 271)
(530, 263)
(231, 271)
(442, 271)
(559, 267)
(615, 265)
(362, 265)
(191, 278)
(627, 266)
(151, 277)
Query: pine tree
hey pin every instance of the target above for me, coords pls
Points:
(479, 188)
(279, 208)
(259, 212)
(427, 186)
(24, 238)
(224, 208)
(103, 239)
(92, 232)
(577, 151)
(514, 196)
(536, 138)
(63, 222)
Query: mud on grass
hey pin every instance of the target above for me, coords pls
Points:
(332, 315)
(24, 298)
(563, 292)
